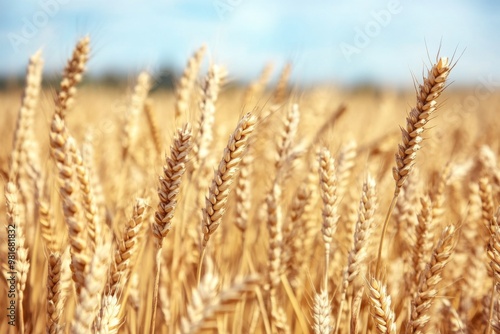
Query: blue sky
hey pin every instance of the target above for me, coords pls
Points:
(345, 42)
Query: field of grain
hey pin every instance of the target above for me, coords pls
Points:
(262, 209)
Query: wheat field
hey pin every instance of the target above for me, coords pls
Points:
(270, 208)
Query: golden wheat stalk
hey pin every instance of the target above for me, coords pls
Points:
(212, 306)
(257, 87)
(328, 188)
(363, 230)
(72, 76)
(210, 93)
(25, 118)
(17, 229)
(170, 185)
(185, 85)
(218, 193)
(89, 299)
(108, 320)
(63, 149)
(220, 188)
(154, 126)
(412, 135)
(170, 182)
(381, 310)
(130, 128)
(321, 313)
(429, 279)
(55, 294)
(125, 254)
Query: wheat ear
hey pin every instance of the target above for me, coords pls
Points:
(286, 138)
(72, 76)
(423, 243)
(321, 313)
(62, 150)
(46, 224)
(154, 126)
(125, 254)
(130, 128)
(186, 82)
(210, 93)
(56, 297)
(363, 230)
(257, 87)
(487, 206)
(328, 188)
(427, 287)
(280, 92)
(275, 265)
(244, 193)
(89, 299)
(380, 303)
(168, 192)
(220, 188)
(412, 136)
(108, 320)
(494, 256)
(437, 195)
(299, 225)
(88, 200)
(355, 310)
(346, 162)
(16, 240)
(25, 117)
(488, 160)
(455, 324)
(170, 182)
(208, 305)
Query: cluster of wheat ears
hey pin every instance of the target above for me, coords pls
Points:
(265, 211)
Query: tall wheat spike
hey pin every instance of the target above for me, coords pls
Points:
(412, 135)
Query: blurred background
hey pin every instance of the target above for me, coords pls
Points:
(346, 43)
